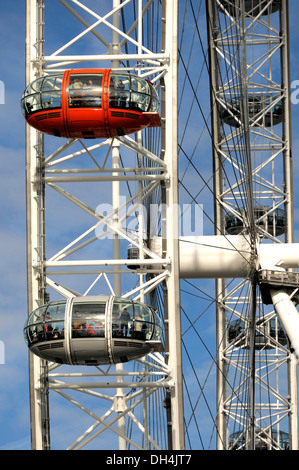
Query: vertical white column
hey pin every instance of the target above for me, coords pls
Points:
(289, 236)
(34, 222)
(219, 229)
(172, 223)
(120, 402)
(141, 226)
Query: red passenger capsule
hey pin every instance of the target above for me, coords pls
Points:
(91, 104)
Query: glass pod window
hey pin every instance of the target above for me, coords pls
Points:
(46, 323)
(155, 101)
(119, 91)
(54, 321)
(132, 92)
(33, 330)
(51, 92)
(143, 322)
(122, 318)
(135, 320)
(140, 94)
(85, 90)
(158, 331)
(43, 93)
(88, 320)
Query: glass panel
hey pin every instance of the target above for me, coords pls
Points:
(31, 103)
(54, 321)
(56, 310)
(158, 327)
(155, 101)
(36, 333)
(85, 90)
(139, 102)
(122, 318)
(33, 100)
(51, 96)
(158, 333)
(54, 330)
(132, 92)
(140, 84)
(34, 87)
(37, 316)
(26, 337)
(51, 100)
(88, 320)
(141, 94)
(142, 329)
(119, 91)
(52, 83)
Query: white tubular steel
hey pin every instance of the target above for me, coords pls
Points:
(282, 256)
(288, 316)
(210, 257)
(206, 257)
(35, 222)
(103, 168)
(172, 245)
(231, 23)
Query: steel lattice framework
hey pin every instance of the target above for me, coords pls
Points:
(91, 178)
(249, 63)
(90, 202)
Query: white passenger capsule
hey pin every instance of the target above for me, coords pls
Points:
(93, 330)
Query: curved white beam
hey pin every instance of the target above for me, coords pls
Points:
(288, 316)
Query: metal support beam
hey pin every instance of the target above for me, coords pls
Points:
(61, 168)
(170, 17)
(232, 32)
(40, 438)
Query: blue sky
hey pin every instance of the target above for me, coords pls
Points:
(14, 401)
(14, 427)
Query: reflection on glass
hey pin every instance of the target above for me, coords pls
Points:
(158, 328)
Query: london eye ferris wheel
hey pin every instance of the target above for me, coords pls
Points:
(162, 287)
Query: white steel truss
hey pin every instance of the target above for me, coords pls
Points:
(79, 186)
(249, 63)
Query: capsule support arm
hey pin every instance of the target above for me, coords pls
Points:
(288, 316)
